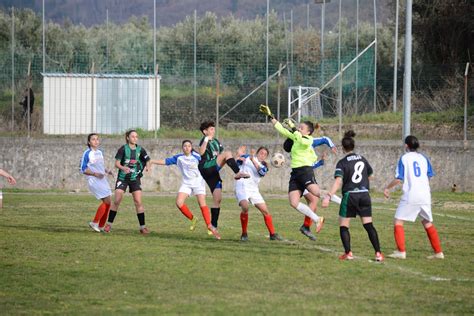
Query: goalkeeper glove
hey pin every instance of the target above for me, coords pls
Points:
(289, 124)
(265, 109)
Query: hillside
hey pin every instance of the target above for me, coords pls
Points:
(169, 12)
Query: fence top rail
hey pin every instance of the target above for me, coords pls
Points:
(107, 76)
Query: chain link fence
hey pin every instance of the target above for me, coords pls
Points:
(192, 74)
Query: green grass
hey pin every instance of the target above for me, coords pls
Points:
(441, 117)
(168, 132)
(50, 262)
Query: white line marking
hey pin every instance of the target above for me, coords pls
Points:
(391, 264)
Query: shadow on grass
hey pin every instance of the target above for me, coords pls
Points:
(203, 241)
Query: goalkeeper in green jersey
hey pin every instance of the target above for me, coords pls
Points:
(302, 160)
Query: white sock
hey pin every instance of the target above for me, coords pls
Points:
(305, 210)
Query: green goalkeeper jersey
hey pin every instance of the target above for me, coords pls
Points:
(302, 152)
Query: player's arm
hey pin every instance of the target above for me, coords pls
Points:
(335, 187)
(399, 178)
(160, 162)
(261, 167)
(324, 141)
(240, 154)
(320, 163)
(391, 185)
(8, 176)
(203, 145)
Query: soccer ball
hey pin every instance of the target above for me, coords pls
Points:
(278, 160)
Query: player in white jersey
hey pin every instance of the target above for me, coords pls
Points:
(415, 171)
(246, 189)
(193, 184)
(93, 166)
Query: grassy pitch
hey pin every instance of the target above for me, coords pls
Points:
(51, 262)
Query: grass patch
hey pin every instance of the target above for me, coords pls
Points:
(50, 262)
(441, 117)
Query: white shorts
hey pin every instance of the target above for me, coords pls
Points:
(99, 187)
(409, 212)
(252, 195)
(191, 190)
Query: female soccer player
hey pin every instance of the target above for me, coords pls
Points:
(92, 165)
(130, 159)
(213, 158)
(302, 160)
(414, 170)
(246, 190)
(193, 184)
(353, 173)
(312, 200)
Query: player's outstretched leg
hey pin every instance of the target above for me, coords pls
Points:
(227, 158)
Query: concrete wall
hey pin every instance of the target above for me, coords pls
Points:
(53, 163)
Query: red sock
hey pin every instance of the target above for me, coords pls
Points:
(186, 212)
(104, 217)
(307, 221)
(100, 212)
(399, 237)
(434, 238)
(269, 223)
(244, 220)
(206, 215)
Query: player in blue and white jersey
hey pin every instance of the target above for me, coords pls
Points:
(414, 170)
(93, 167)
(246, 189)
(193, 184)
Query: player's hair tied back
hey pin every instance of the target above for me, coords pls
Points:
(349, 134)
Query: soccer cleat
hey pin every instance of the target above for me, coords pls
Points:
(379, 257)
(346, 256)
(241, 175)
(213, 231)
(107, 228)
(305, 231)
(244, 237)
(193, 223)
(320, 224)
(398, 255)
(94, 226)
(439, 255)
(275, 237)
(144, 231)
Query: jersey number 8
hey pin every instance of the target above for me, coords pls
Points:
(358, 168)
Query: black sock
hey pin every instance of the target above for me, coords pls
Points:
(111, 216)
(345, 238)
(233, 165)
(373, 236)
(215, 215)
(141, 218)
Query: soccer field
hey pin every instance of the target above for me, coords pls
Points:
(51, 262)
